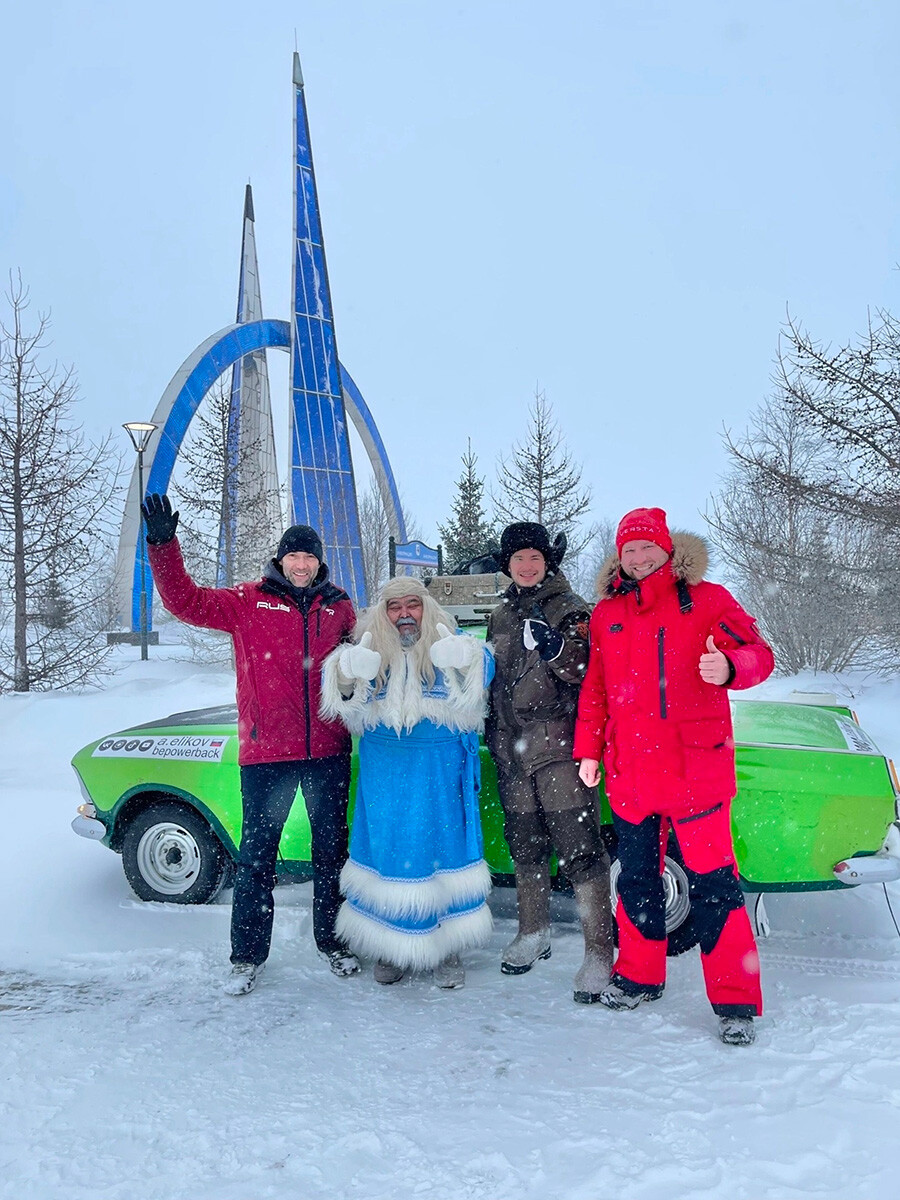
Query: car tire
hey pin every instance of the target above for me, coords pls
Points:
(679, 922)
(170, 853)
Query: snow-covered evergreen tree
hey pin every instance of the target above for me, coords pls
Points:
(468, 532)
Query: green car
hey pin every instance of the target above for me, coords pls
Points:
(816, 808)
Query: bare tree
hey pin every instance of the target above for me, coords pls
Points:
(542, 482)
(468, 533)
(208, 469)
(849, 400)
(55, 493)
(583, 568)
(374, 531)
(804, 569)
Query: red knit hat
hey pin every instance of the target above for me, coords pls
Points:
(644, 524)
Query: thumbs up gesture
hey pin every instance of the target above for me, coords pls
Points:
(452, 651)
(360, 662)
(714, 666)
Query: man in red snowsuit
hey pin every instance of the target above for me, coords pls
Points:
(665, 646)
(283, 627)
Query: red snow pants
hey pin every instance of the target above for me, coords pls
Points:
(727, 948)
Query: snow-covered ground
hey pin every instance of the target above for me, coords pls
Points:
(125, 1074)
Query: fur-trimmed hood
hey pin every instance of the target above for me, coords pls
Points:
(689, 561)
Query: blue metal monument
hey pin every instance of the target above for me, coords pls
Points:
(323, 396)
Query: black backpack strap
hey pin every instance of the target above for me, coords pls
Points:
(685, 603)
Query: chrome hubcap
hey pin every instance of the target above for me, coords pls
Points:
(168, 858)
(675, 890)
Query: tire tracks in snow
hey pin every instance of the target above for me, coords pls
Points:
(846, 968)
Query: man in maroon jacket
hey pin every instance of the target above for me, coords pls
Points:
(665, 646)
(283, 627)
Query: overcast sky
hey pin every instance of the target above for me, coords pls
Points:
(614, 201)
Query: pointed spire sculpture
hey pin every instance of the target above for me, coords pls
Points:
(323, 489)
(251, 503)
(323, 395)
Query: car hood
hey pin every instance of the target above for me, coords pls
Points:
(774, 723)
(221, 714)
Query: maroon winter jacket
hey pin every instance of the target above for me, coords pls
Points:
(278, 651)
(663, 734)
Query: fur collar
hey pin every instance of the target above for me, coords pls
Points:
(456, 700)
(689, 561)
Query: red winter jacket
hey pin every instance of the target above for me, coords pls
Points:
(663, 734)
(278, 653)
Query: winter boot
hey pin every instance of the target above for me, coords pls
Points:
(385, 972)
(737, 1031)
(595, 910)
(242, 979)
(450, 973)
(532, 942)
(616, 997)
(341, 962)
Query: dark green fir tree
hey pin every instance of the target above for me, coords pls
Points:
(468, 533)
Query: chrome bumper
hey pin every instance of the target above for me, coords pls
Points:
(883, 867)
(88, 827)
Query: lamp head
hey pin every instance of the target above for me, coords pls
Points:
(140, 433)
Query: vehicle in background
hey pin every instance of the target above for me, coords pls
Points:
(816, 807)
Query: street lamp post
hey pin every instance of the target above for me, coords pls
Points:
(140, 433)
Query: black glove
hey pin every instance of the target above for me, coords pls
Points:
(538, 635)
(159, 519)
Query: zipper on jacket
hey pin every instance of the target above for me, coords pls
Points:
(305, 617)
(740, 641)
(661, 657)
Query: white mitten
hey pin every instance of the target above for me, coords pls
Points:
(360, 662)
(452, 651)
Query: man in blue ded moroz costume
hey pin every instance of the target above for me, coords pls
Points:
(416, 882)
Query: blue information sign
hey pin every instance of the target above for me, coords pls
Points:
(416, 554)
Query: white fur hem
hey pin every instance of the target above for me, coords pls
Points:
(367, 936)
(415, 897)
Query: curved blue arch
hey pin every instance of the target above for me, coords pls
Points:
(194, 379)
(232, 346)
(368, 431)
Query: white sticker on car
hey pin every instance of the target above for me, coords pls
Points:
(855, 738)
(182, 748)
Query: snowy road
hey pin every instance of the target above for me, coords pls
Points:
(127, 1075)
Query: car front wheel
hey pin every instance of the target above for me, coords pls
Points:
(169, 852)
(679, 926)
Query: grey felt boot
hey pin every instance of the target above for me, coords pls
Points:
(385, 972)
(595, 910)
(450, 973)
(532, 942)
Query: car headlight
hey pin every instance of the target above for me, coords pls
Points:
(88, 808)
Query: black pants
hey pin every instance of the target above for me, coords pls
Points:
(267, 791)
